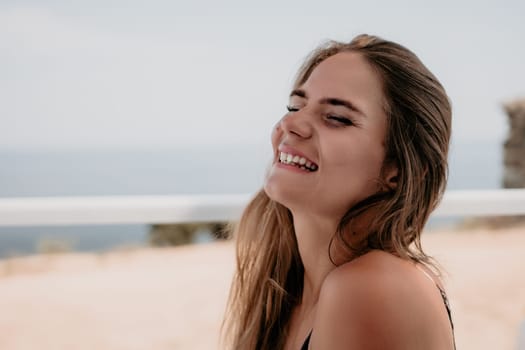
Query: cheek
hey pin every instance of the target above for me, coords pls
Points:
(357, 167)
(276, 134)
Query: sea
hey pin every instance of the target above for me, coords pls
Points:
(188, 170)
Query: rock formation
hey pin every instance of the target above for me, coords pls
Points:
(513, 167)
(514, 148)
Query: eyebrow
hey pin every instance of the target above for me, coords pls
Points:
(329, 100)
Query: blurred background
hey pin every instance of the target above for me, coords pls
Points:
(178, 97)
(172, 97)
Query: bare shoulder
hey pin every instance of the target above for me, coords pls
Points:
(379, 301)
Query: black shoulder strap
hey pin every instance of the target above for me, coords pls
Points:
(306, 342)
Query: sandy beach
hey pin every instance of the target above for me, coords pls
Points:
(173, 298)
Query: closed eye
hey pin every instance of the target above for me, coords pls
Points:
(341, 120)
(292, 109)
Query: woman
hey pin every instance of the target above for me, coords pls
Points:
(329, 253)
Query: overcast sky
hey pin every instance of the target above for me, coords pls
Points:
(161, 74)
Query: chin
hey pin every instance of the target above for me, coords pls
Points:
(290, 198)
(271, 191)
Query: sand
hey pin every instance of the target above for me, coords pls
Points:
(173, 298)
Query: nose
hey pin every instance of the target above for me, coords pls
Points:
(296, 124)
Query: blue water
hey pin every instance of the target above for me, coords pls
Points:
(184, 171)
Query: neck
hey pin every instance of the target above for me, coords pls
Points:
(313, 240)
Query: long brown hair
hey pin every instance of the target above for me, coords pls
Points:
(268, 282)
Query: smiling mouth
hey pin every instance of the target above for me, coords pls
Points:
(298, 161)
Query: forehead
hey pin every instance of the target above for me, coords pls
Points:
(347, 75)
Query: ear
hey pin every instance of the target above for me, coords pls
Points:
(390, 175)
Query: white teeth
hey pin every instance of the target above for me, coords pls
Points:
(298, 161)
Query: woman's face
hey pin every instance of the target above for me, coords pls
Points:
(329, 147)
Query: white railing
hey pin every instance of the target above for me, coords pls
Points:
(198, 208)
